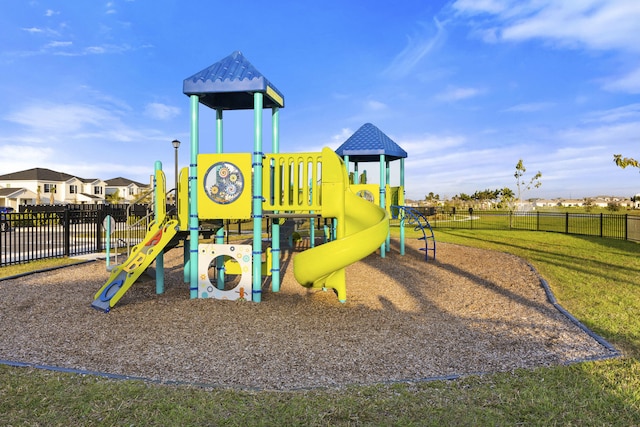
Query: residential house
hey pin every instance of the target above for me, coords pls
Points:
(128, 191)
(45, 186)
(14, 197)
(545, 203)
(604, 201)
(572, 203)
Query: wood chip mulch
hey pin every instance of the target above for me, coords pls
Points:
(470, 311)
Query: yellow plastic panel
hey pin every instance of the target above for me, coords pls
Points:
(160, 194)
(183, 199)
(369, 192)
(224, 186)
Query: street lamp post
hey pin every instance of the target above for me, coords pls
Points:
(176, 144)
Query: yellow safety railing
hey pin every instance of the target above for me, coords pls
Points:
(292, 182)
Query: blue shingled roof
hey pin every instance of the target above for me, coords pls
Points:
(368, 143)
(230, 83)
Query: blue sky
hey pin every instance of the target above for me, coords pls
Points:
(466, 87)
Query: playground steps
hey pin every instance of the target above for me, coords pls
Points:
(420, 222)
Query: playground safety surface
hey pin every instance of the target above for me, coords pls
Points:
(470, 311)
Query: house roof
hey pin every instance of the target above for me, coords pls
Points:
(36, 174)
(368, 143)
(123, 182)
(15, 193)
(230, 83)
(88, 180)
(43, 174)
(8, 192)
(91, 196)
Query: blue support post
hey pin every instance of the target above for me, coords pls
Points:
(257, 197)
(193, 199)
(159, 198)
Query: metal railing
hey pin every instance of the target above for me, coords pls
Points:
(614, 226)
(64, 231)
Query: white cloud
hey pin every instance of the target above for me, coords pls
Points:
(110, 6)
(629, 83)
(341, 137)
(159, 111)
(480, 6)
(373, 105)
(42, 31)
(62, 118)
(416, 49)
(429, 143)
(616, 135)
(594, 24)
(58, 44)
(530, 107)
(50, 12)
(624, 113)
(453, 94)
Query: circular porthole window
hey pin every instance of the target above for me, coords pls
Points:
(223, 183)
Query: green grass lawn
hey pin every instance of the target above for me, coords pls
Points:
(597, 280)
(43, 264)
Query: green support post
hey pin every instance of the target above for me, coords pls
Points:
(193, 199)
(219, 133)
(108, 240)
(220, 233)
(389, 202)
(401, 211)
(382, 196)
(257, 197)
(275, 223)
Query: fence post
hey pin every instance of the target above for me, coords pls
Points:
(66, 229)
(566, 222)
(99, 218)
(537, 220)
(601, 224)
(626, 226)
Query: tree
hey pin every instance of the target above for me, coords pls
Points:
(521, 183)
(623, 162)
(485, 196)
(587, 204)
(507, 198)
(113, 197)
(432, 197)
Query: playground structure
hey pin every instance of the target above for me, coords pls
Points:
(255, 186)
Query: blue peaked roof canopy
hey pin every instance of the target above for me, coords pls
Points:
(230, 83)
(368, 143)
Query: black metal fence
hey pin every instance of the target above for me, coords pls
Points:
(39, 232)
(614, 226)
